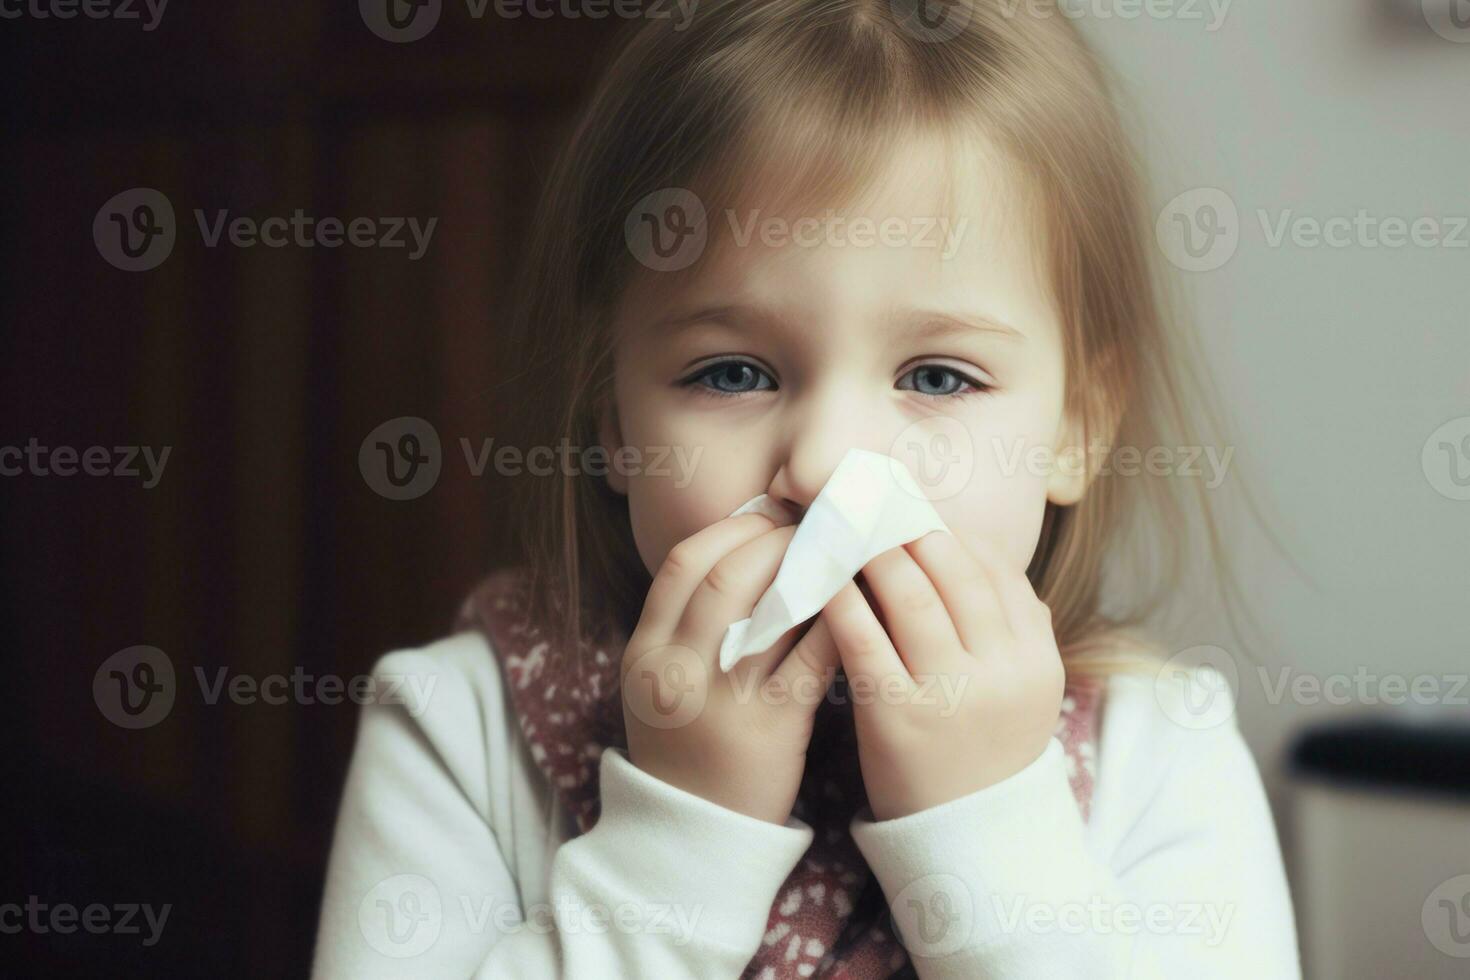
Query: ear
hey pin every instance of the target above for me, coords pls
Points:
(610, 436)
(1076, 464)
(1072, 470)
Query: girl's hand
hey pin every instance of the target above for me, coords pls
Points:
(963, 687)
(740, 739)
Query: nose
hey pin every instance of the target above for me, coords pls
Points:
(816, 439)
(798, 491)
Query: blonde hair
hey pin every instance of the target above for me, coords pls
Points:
(828, 88)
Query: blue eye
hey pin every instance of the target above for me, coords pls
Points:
(946, 380)
(737, 375)
(728, 379)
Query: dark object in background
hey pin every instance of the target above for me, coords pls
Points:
(262, 550)
(1379, 817)
(1431, 758)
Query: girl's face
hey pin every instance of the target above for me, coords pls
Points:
(929, 337)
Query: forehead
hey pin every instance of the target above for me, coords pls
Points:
(937, 222)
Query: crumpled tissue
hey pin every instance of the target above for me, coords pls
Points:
(870, 503)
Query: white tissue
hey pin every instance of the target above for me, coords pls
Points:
(870, 504)
(765, 505)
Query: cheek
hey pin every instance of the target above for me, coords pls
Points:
(1002, 508)
(696, 484)
(663, 514)
(1003, 502)
(655, 525)
(666, 498)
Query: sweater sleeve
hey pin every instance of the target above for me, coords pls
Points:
(1183, 878)
(666, 884)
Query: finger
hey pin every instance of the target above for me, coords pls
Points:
(965, 585)
(762, 665)
(918, 622)
(688, 563)
(863, 645)
(812, 663)
(731, 589)
(1030, 618)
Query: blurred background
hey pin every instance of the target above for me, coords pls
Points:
(262, 546)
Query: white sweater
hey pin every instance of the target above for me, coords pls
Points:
(449, 859)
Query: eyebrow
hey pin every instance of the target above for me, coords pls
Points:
(938, 323)
(918, 324)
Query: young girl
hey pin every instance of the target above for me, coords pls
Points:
(785, 229)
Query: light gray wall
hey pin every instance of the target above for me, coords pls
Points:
(1337, 364)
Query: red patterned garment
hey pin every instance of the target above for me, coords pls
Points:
(829, 919)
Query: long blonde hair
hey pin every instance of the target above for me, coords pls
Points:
(829, 87)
